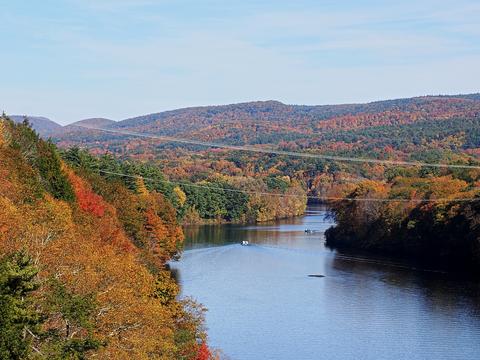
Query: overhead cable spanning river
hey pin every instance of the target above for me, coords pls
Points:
(262, 303)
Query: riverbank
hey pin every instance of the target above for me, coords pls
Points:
(441, 236)
(195, 220)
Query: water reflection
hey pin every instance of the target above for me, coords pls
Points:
(263, 305)
(265, 233)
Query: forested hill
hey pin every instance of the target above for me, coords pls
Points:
(274, 111)
(326, 127)
(82, 261)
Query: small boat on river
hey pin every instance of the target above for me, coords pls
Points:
(245, 243)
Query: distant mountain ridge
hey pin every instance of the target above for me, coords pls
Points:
(79, 128)
(44, 126)
(271, 122)
(91, 122)
(272, 110)
(49, 128)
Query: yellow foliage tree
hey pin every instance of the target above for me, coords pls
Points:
(181, 196)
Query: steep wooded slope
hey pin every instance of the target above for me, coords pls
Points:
(82, 262)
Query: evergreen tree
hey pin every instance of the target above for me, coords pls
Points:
(18, 319)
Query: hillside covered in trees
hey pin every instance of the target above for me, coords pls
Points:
(205, 197)
(426, 129)
(225, 185)
(437, 226)
(300, 126)
(82, 261)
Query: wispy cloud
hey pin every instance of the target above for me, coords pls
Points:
(122, 58)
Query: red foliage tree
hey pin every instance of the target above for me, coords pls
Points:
(87, 200)
(204, 352)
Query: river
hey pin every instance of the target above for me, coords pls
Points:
(263, 305)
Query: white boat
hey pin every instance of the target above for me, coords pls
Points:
(245, 243)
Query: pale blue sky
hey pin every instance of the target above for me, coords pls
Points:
(74, 59)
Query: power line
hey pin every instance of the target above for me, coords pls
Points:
(343, 257)
(280, 152)
(320, 198)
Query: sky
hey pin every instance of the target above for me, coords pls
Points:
(74, 59)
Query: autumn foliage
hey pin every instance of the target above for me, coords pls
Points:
(203, 352)
(434, 222)
(102, 288)
(87, 200)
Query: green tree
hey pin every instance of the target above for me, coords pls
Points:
(19, 322)
(50, 167)
(74, 338)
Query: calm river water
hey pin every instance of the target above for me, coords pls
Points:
(263, 305)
